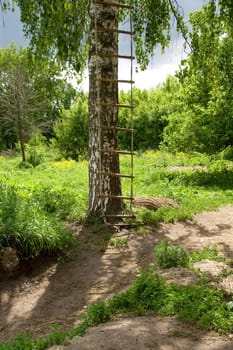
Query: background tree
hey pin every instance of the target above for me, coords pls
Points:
(204, 122)
(43, 79)
(152, 110)
(19, 105)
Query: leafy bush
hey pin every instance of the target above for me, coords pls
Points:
(167, 255)
(36, 148)
(72, 130)
(148, 120)
(34, 156)
(9, 208)
(203, 305)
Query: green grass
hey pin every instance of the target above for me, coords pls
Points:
(194, 191)
(35, 200)
(58, 190)
(167, 255)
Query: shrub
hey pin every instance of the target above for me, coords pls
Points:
(36, 149)
(72, 130)
(166, 256)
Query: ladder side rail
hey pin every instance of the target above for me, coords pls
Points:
(98, 101)
(131, 102)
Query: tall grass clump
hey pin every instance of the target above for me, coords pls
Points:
(26, 227)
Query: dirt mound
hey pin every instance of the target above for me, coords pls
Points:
(147, 333)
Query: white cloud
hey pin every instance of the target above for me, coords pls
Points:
(147, 79)
(153, 76)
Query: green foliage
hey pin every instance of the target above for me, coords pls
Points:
(193, 189)
(8, 213)
(210, 253)
(152, 27)
(72, 130)
(118, 241)
(24, 226)
(97, 313)
(226, 153)
(203, 121)
(150, 115)
(60, 29)
(57, 30)
(37, 86)
(53, 199)
(36, 149)
(167, 255)
(203, 305)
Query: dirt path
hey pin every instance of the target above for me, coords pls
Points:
(105, 263)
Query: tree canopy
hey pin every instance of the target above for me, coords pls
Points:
(206, 77)
(60, 28)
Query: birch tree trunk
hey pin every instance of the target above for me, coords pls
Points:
(102, 95)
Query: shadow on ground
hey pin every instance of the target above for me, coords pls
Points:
(103, 263)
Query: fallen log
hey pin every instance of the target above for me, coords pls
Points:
(154, 203)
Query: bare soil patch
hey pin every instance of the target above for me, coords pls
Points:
(105, 262)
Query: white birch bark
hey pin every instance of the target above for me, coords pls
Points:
(102, 66)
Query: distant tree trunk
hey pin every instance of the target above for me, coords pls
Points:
(102, 66)
(19, 128)
(23, 153)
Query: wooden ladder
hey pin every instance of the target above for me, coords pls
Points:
(130, 153)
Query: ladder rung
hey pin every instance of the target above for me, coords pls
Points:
(112, 30)
(117, 81)
(115, 196)
(119, 216)
(126, 224)
(118, 175)
(115, 128)
(127, 57)
(117, 105)
(108, 3)
(109, 150)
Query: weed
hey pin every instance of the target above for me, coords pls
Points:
(118, 241)
(230, 262)
(167, 255)
(97, 227)
(107, 236)
(210, 253)
(179, 333)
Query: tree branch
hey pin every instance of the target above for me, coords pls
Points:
(180, 23)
